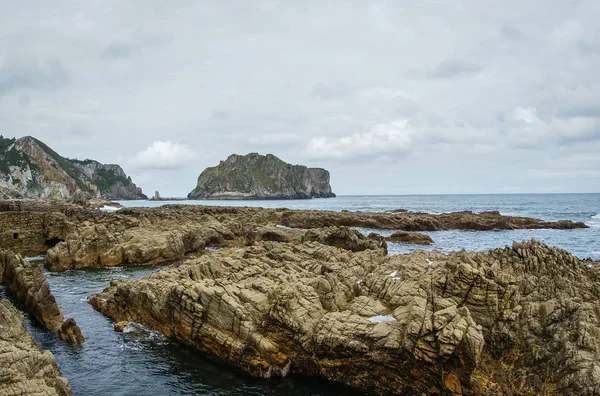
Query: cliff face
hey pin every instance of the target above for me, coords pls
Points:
(31, 169)
(255, 176)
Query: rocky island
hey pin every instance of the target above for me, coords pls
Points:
(31, 169)
(255, 176)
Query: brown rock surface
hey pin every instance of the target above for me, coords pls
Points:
(411, 221)
(29, 285)
(342, 237)
(77, 237)
(70, 332)
(25, 369)
(410, 237)
(423, 323)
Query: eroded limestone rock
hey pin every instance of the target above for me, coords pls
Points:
(25, 369)
(424, 323)
(410, 237)
(29, 285)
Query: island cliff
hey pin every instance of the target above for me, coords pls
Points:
(255, 176)
(31, 169)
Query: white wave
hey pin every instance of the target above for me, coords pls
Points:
(594, 221)
(381, 319)
(35, 258)
(107, 208)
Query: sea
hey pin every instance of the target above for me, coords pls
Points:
(143, 362)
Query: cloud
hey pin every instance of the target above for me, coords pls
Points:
(116, 50)
(448, 69)
(528, 130)
(163, 155)
(384, 140)
(19, 73)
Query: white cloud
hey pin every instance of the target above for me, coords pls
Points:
(527, 129)
(389, 139)
(163, 155)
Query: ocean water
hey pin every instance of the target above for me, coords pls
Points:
(583, 243)
(145, 363)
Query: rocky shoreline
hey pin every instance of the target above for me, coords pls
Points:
(300, 291)
(418, 323)
(24, 368)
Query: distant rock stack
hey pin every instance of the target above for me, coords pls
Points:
(255, 176)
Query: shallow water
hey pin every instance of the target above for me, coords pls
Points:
(145, 363)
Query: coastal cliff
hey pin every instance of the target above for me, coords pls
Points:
(255, 176)
(31, 169)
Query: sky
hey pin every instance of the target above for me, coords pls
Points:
(392, 97)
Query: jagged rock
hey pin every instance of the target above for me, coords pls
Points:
(71, 333)
(32, 227)
(25, 369)
(420, 323)
(29, 285)
(77, 237)
(81, 198)
(342, 237)
(123, 238)
(275, 234)
(33, 170)
(410, 237)
(409, 221)
(120, 326)
(255, 176)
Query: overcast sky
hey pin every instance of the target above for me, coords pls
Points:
(392, 97)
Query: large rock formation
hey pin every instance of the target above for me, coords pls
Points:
(255, 176)
(32, 227)
(29, 285)
(519, 320)
(77, 237)
(31, 169)
(25, 369)
(413, 221)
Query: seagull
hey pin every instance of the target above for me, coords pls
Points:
(429, 261)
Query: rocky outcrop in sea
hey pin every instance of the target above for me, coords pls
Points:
(255, 176)
(519, 320)
(28, 285)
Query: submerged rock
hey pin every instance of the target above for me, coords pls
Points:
(255, 176)
(25, 369)
(423, 323)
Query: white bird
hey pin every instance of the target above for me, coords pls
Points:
(429, 261)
